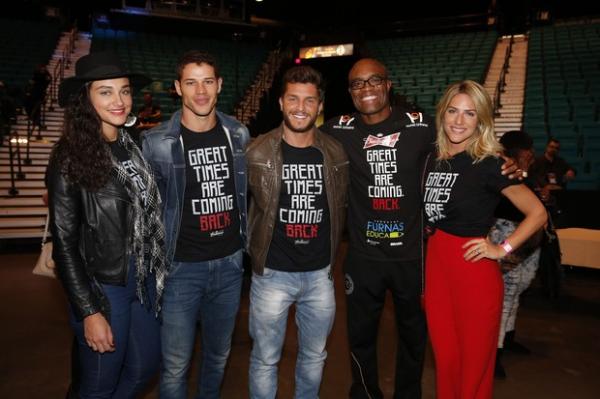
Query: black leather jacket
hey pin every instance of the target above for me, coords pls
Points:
(92, 236)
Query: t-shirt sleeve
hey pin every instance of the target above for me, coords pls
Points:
(495, 180)
(565, 167)
(430, 132)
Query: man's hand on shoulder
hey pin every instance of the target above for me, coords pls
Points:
(510, 168)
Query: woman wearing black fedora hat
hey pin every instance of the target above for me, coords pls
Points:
(107, 231)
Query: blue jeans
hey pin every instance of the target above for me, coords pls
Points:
(271, 296)
(209, 293)
(123, 373)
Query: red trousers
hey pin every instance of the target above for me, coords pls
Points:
(463, 304)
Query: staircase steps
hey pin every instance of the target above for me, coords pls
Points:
(21, 202)
(510, 110)
(24, 169)
(18, 211)
(23, 215)
(24, 192)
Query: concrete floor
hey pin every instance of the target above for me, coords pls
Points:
(564, 335)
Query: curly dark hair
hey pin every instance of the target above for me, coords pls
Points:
(82, 153)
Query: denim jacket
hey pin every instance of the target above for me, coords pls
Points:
(162, 146)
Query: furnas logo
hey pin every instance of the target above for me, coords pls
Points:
(379, 229)
(416, 119)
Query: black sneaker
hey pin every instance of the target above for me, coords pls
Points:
(499, 372)
(515, 347)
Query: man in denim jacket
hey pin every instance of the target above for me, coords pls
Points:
(200, 168)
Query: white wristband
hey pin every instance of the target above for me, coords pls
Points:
(506, 246)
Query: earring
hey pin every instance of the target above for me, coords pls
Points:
(131, 120)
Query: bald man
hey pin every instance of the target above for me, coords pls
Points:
(387, 147)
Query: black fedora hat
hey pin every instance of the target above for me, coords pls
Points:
(97, 66)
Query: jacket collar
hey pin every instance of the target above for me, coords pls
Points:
(317, 143)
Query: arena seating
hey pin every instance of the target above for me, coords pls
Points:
(156, 55)
(563, 95)
(422, 66)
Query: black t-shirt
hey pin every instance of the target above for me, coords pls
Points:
(122, 156)
(506, 209)
(386, 162)
(119, 151)
(210, 223)
(301, 239)
(550, 172)
(460, 196)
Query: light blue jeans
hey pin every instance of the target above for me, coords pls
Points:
(205, 292)
(271, 296)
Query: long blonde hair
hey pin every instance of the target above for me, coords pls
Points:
(483, 143)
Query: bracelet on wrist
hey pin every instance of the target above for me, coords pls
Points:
(506, 246)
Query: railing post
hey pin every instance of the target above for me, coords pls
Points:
(12, 191)
(54, 84)
(27, 160)
(42, 111)
(18, 175)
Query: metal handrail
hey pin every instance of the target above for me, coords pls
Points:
(70, 47)
(262, 83)
(31, 127)
(64, 62)
(57, 75)
(18, 175)
(501, 84)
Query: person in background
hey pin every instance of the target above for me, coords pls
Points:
(35, 95)
(518, 267)
(551, 173)
(551, 168)
(200, 166)
(149, 114)
(463, 285)
(107, 233)
(295, 226)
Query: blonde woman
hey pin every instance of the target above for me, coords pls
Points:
(463, 283)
